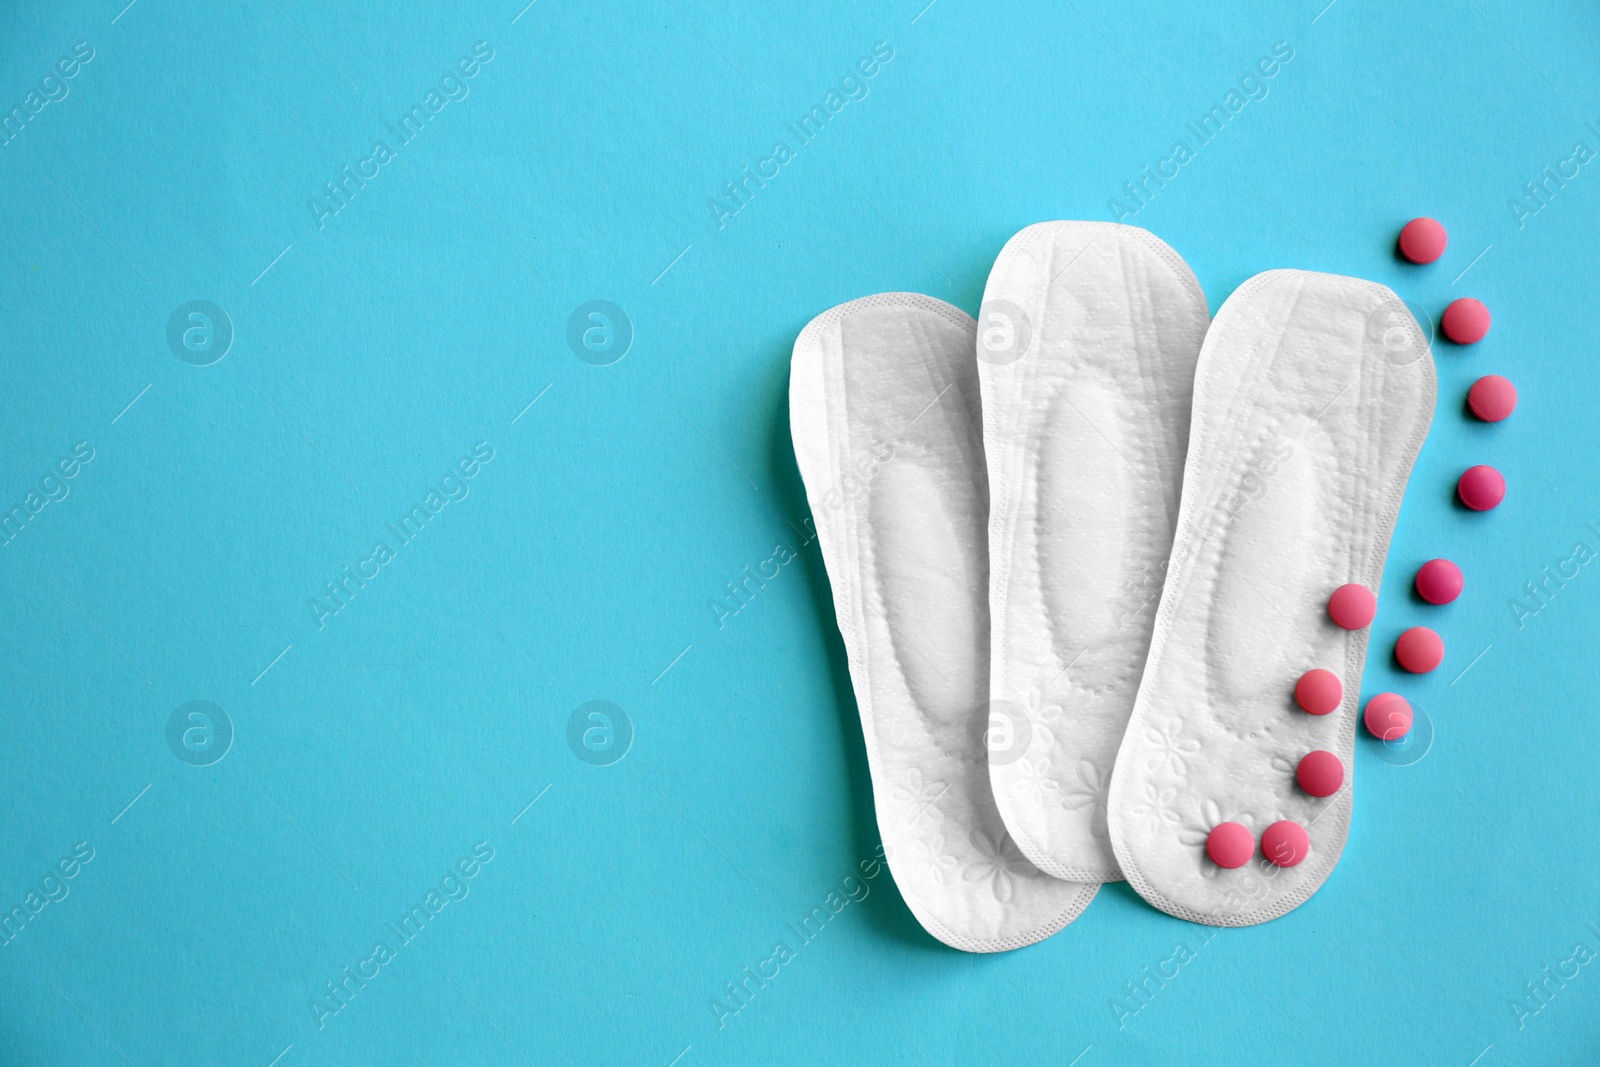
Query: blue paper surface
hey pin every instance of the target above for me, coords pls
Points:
(421, 373)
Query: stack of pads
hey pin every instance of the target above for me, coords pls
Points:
(1082, 553)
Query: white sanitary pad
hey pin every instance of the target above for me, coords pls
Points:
(1087, 343)
(1313, 395)
(884, 409)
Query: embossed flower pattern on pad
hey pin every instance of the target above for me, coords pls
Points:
(1035, 782)
(920, 799)
(999, 861)
(1172, 749)
(1158, 808)
(932, 858)
(1091, 795)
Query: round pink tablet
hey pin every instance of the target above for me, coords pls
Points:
(1492, 398)
(1439, 581)
(1285, 843)
(1230, 845)
(1465, 321)
(1352, 606)
(1320, 773)
(1388, 717)
(1419, 650)
(1422, 240)
(1318, 692)
(1481, 487)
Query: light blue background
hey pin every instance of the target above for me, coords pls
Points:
(425, 716)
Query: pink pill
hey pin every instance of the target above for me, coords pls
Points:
(1285, 843)
(1318, 692)
(1388, 717)
(1439, 581)
(1492, 398)
(1422, 240)
(1465, 321)
(1419, 650)
(1230, 845)
(1320, 773)
(1481, 487)
(1352, 606)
